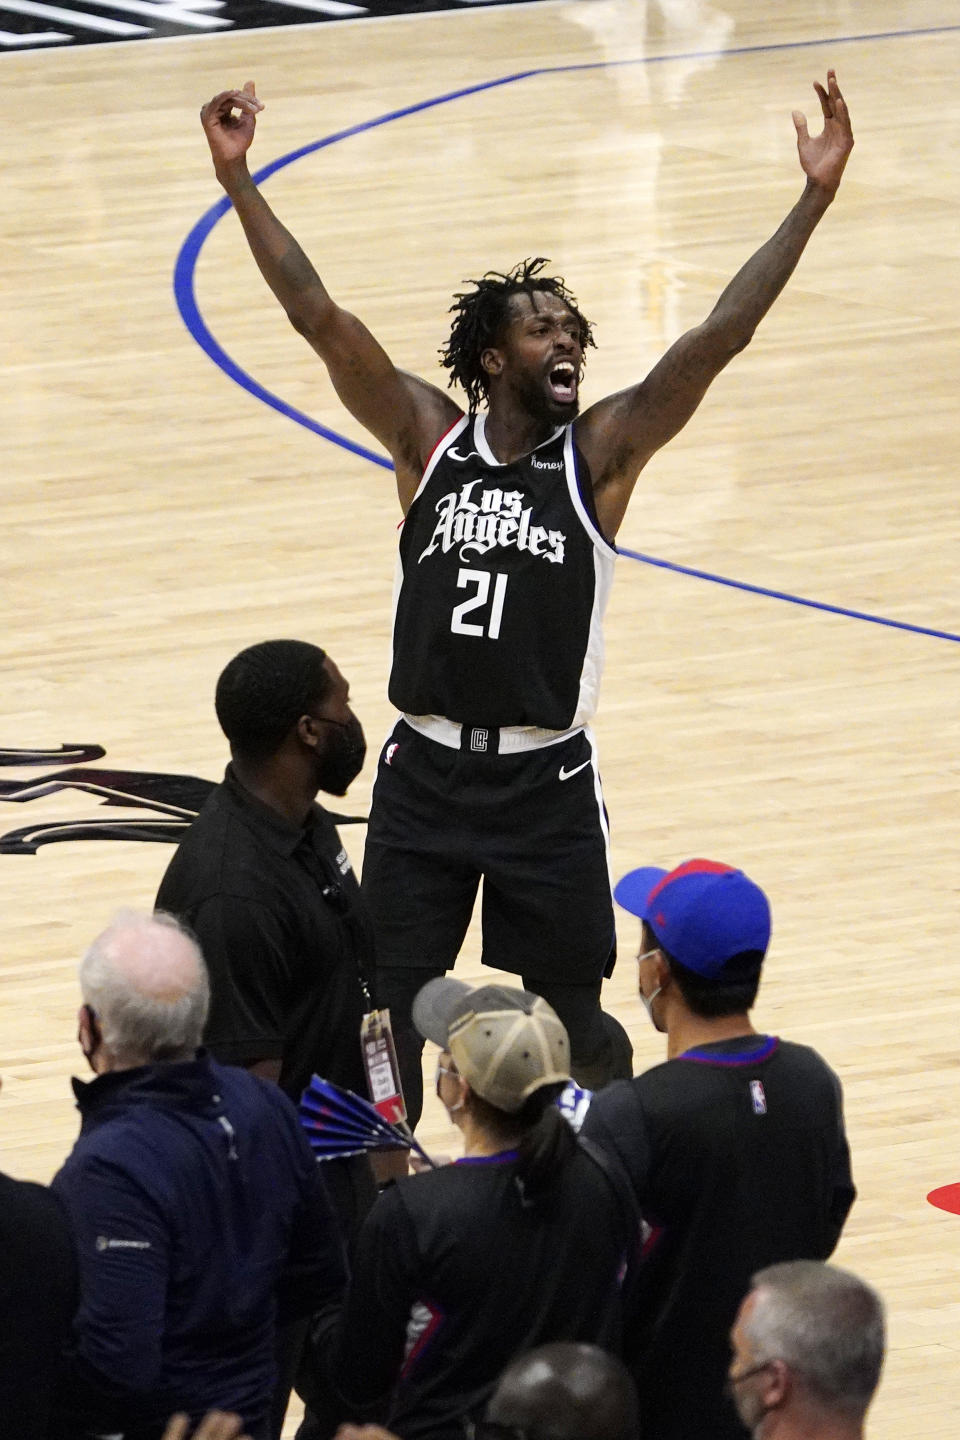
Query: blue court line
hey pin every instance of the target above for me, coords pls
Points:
(785, 595)
(184, 276)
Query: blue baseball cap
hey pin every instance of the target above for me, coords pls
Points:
(703, 912)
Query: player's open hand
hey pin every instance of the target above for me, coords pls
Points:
(823, 156)
(229, 121)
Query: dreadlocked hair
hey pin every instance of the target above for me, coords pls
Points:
(480, 315)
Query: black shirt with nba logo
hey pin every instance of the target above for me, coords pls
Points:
(503, 577)
(738, 1159)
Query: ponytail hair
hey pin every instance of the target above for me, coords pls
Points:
(547, 1146)
(544, 1141)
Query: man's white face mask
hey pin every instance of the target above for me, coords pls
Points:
(648, 999)
(648, 1004)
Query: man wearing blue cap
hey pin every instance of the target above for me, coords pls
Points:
(735, 1146)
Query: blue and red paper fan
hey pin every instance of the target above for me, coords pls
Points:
(339, 1123)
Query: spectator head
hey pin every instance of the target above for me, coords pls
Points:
(563, 1392)
(145, 993)
(506, 1043)
(808, 1345)
(705, 932)
(504, 1059)
(287, 699)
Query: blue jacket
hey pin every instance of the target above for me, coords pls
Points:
(201, 1220)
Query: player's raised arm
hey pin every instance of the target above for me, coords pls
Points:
(405, 414)
(619, 434)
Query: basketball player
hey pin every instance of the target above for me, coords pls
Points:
(505, 565)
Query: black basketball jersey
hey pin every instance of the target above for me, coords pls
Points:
(502, 581)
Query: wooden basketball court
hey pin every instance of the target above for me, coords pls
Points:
(158, 515)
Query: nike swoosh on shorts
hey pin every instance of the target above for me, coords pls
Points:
(566, 774)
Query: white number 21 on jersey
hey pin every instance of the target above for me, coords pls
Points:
(479, 580)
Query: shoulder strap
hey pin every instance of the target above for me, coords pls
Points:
(619, 1183)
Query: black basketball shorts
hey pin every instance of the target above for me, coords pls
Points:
(531, 823)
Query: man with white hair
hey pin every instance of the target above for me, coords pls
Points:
(808, 1347)
(199, 1214)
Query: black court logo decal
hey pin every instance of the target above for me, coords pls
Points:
(41, 24)
(76, 753)
(173, 799)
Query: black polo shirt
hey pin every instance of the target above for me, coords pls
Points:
(278, 913)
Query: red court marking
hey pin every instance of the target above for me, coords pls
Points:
(946, 1198)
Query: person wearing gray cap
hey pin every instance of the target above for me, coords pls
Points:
(525, 1240)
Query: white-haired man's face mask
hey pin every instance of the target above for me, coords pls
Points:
(89, 1035)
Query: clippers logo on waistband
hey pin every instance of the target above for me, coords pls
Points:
(494, 519)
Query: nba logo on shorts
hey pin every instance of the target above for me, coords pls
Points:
(478, 739)
(758, 1097)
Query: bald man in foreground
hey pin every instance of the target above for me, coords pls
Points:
(199, 1213)
(566, 1392)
